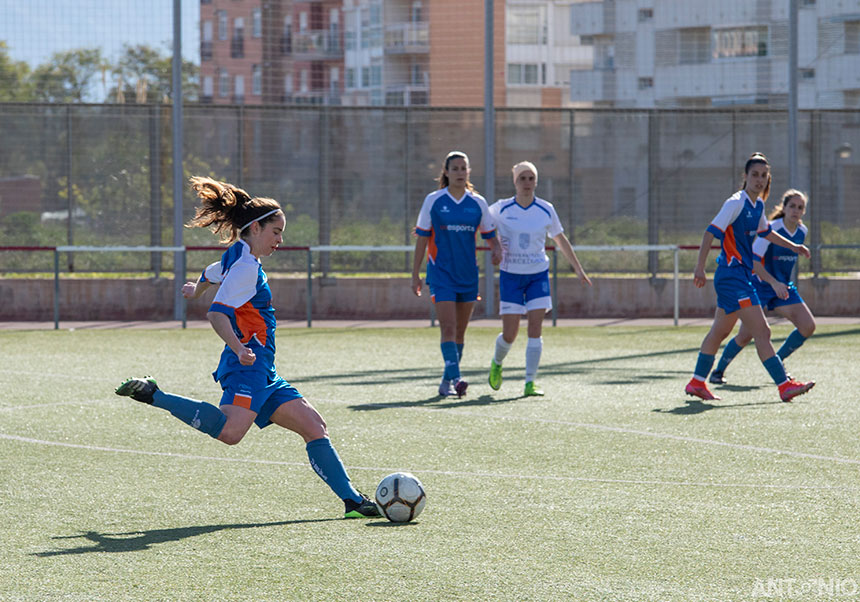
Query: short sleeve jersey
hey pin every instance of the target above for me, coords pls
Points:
(779, 261)
(522, 234)
(736, 226)
(452, 225)
(244, 296)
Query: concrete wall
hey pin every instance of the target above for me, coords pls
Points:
(382, 298)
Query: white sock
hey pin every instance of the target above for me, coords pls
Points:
(502, 348)
(533, 350)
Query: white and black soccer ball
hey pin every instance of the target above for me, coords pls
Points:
(400, 497)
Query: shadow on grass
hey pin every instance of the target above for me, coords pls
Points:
(697, 406)
(134, 541)
(432, 402)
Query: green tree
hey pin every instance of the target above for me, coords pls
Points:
(14, 78)
(68, 77)
(144, 75)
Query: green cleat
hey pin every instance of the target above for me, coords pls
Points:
(366, 508)
(139, 389)
(495, 375)
(532, 389)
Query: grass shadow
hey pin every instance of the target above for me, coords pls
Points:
(697, 406)
(431, 402)
(135, 541)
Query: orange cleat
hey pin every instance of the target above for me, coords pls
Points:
(792, 388)
(698, 388)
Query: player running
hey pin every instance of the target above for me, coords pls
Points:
(773, 282)
(738, 223)
(242, 315)
(523, 222)
(447, 226)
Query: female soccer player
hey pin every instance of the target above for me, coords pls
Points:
(242, 315)
(447, 225)
(523, 223)
(739, 221)
(772, 278)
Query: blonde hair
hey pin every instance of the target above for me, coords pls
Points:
(789, 194)
(227, 210)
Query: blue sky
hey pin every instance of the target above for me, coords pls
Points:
(34, 29)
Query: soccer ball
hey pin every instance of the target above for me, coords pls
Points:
(400, 497)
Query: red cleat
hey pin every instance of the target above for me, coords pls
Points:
(792, 388)
(698, 388)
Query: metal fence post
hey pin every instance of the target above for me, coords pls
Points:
(554, 286)
(310, 296)
(56, 289)
(675, 253)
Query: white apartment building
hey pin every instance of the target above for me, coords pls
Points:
(386, 52)
(681, 53)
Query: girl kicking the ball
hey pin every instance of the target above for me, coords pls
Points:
(242, 315)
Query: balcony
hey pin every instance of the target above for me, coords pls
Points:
(407, 38)
(715, 79)
(592, 85)
(839, 72)
(407, 95)
(587, 19)
(316, 44)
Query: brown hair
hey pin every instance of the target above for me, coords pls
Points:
(227, 210)
(443, 177)
(757, 158)
(789, 194)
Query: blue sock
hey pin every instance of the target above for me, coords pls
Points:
(452, 360)
(329, 467)
(729, 352)
(775, 369)
(203, 416)
(703, 366)
(460, 351)
(794, 340)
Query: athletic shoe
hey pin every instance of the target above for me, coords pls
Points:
(698, 388)
(717, 378)
(460, 387)
(366, 508)
(495, 375)
(792, 388)
(139, 389)
(445, 389)
(532, 389)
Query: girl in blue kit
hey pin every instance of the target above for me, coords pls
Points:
(523, 223)
(738, 223)
(773, 281)
(242, 315)
(448, 223)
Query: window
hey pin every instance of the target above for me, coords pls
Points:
(852, 37)
(334, 81)
(208, 86)
(349, 83)
(365, 77)
(303, 22)
(239, 90)
(256, 80)
(646, 82)
(257, 20)
(207, 31)
(288, 84)
(523, 73)
(694, 46)
(646, 14)
(806, 73)
(304, 81)
(223, 84)
(525, 25)
(415, 76)
(222, 24)
(417, 15)
(739, 42)
(376, 75)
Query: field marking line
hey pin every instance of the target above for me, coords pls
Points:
(432, 471)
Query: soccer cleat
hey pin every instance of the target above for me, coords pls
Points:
(717, 378)
(532, 390)
(792, 388)
(698, 388)
(366, 508)
(495, 375)
(445, 389)
(139, 389)
(460, 388)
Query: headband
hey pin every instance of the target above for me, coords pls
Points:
(524, 166)
(264, 216)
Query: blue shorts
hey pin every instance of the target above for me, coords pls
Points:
(521, 293)
(257, 391)
(443, 293)
(768, 297)
(734, 289)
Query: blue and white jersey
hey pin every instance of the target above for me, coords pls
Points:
(452, 225)
(736, 226)
(244, 296)
(779, 261)
(522, 234)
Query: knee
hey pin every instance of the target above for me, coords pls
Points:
(807, 329)
(230, 436)
(743, 340)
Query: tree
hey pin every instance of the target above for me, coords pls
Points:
(68, 77)
(143, 74)
(14, 84)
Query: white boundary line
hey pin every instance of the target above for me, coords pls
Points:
(436, 472)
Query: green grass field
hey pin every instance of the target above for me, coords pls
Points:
(615, 486)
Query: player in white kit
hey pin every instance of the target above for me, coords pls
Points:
(523, 222)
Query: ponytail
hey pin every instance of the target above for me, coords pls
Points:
(228, 210)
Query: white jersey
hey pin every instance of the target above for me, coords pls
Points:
(522, 234)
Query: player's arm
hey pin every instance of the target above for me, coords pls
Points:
(417, 260)
(780, 240)
(192, 290)
(779, 288)
(567, 250)
(699, 277)
(222, 327)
